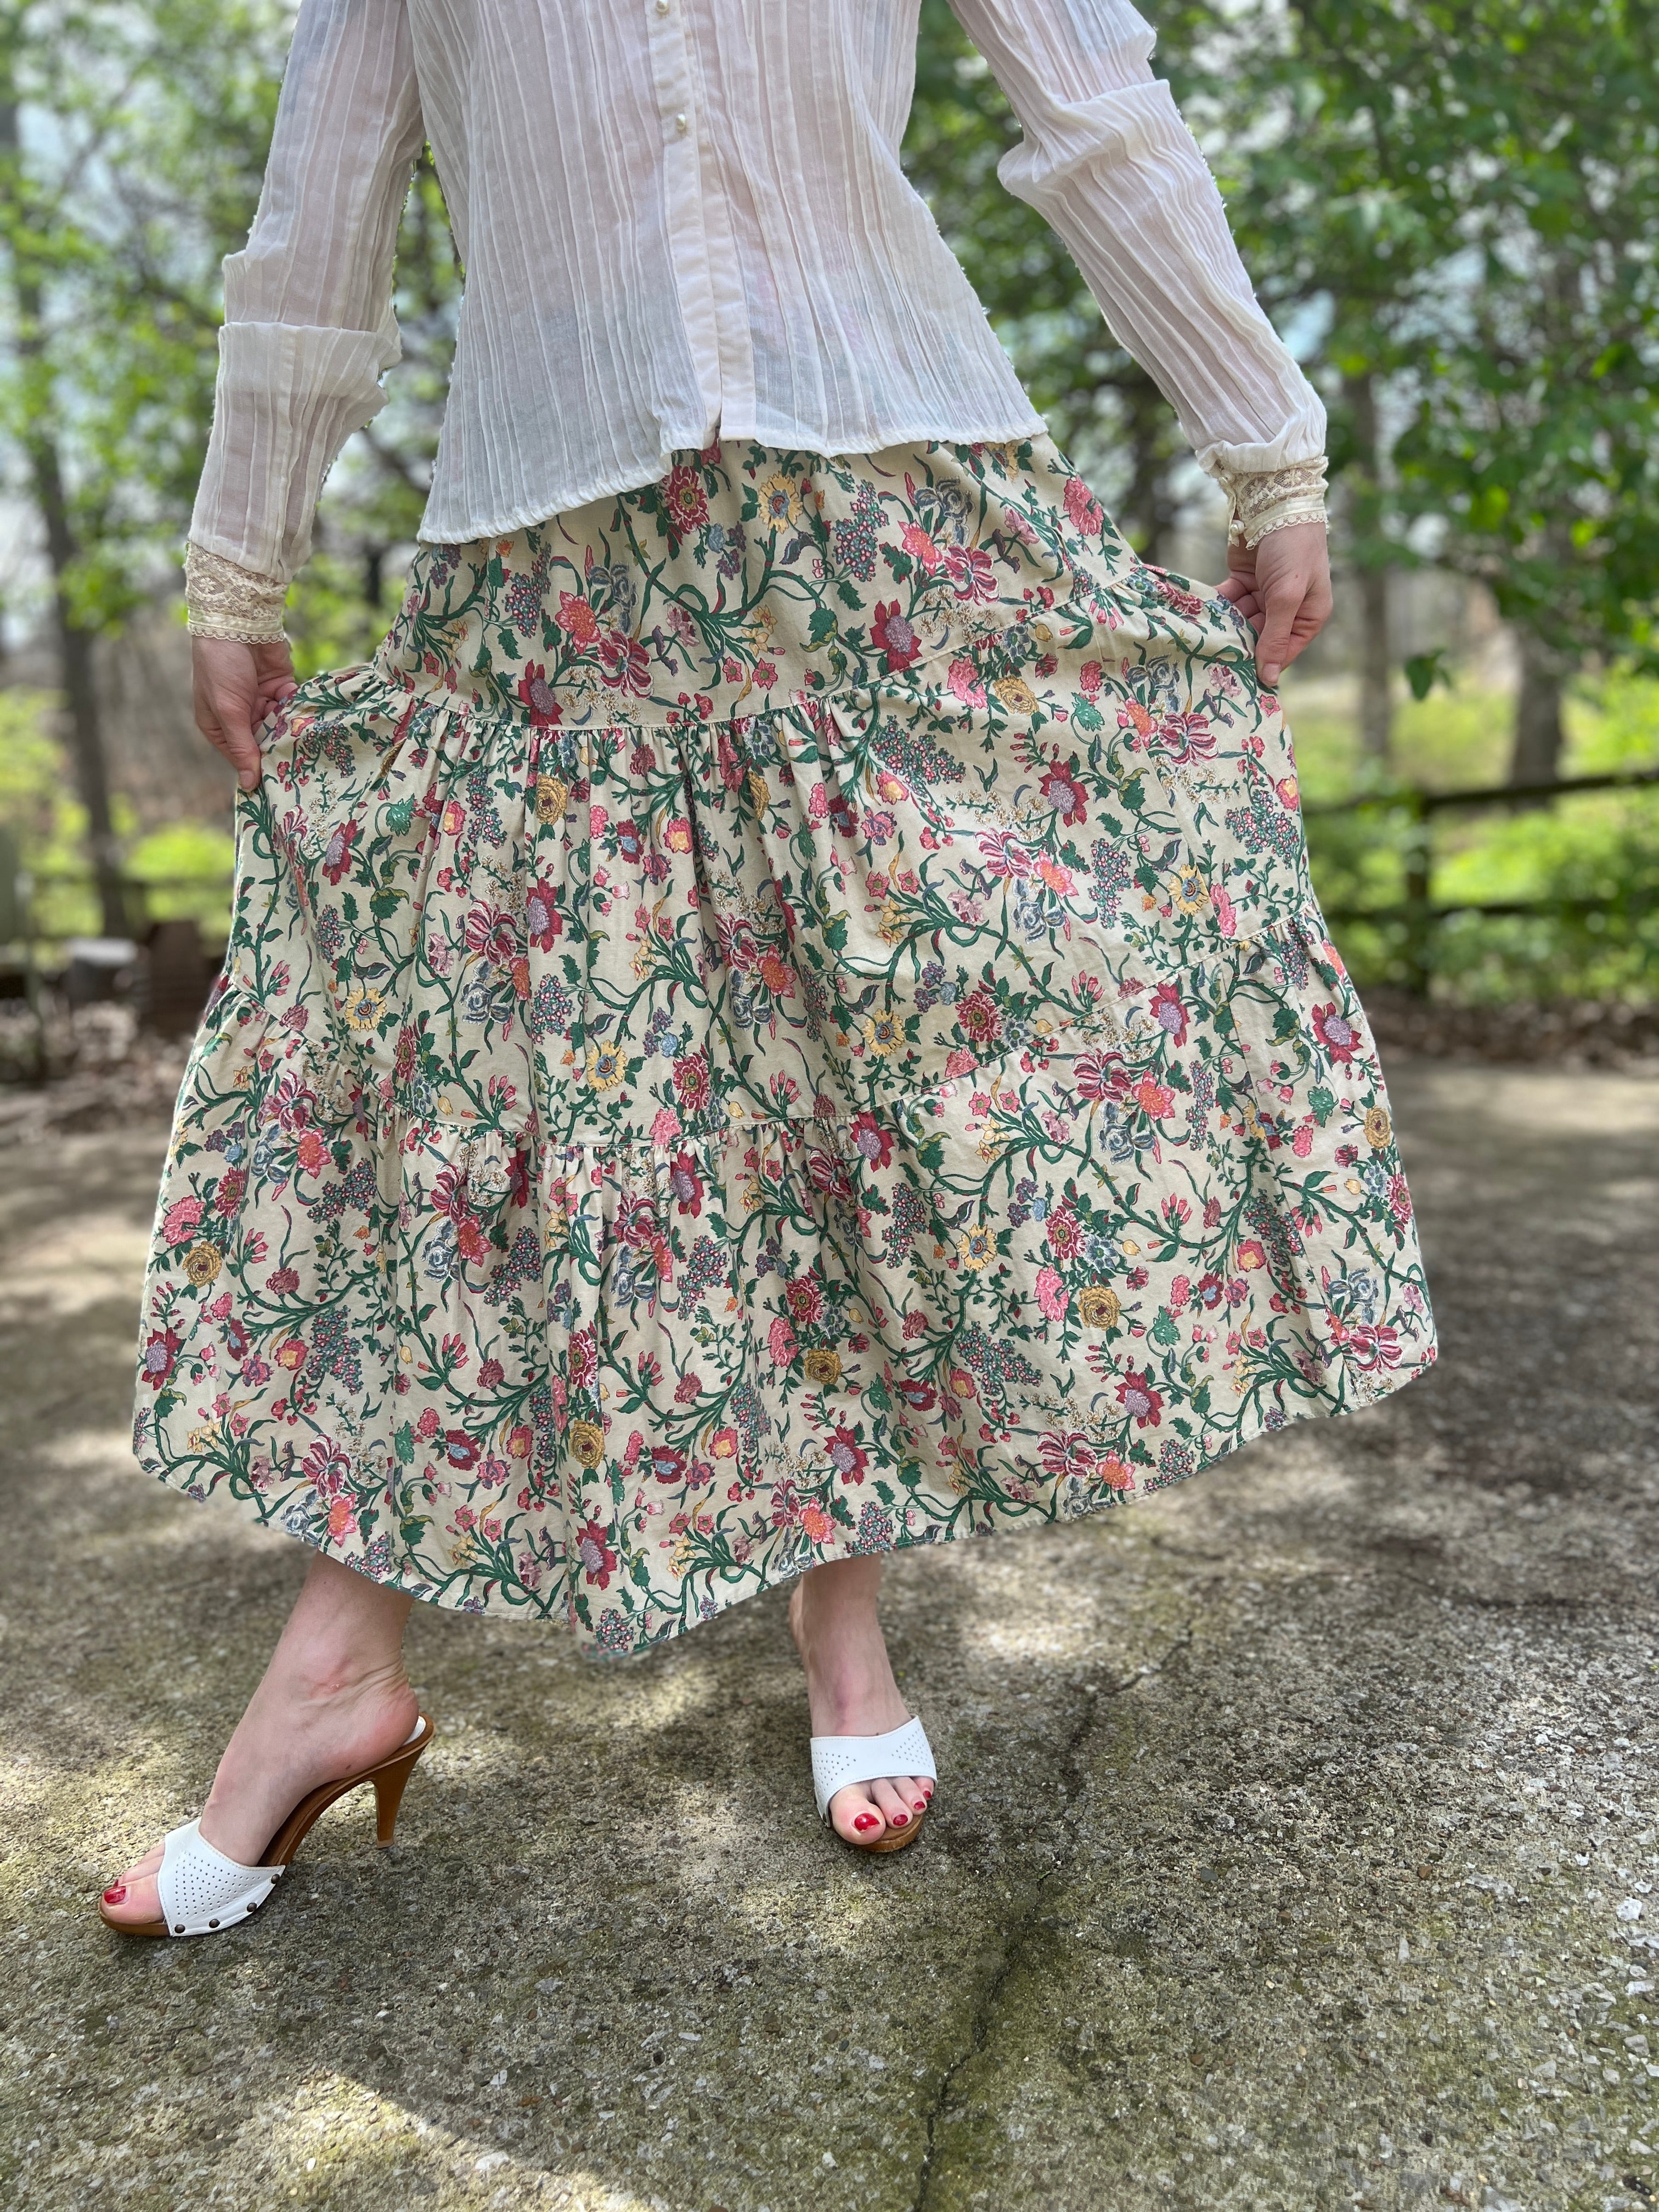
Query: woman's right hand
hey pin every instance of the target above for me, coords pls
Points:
(235, 685)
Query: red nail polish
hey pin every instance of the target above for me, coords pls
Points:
(901, 1820)
(116, 1894)
(862, 1820)
(921, 1804)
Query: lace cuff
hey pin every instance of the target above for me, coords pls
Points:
(1275, 500)
(225, 601)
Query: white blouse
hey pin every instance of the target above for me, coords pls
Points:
(679, 218)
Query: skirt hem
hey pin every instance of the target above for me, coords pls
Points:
(1366, 1390)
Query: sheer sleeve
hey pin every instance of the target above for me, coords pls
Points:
(1108, 162)
(309, 328)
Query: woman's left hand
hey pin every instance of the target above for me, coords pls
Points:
(1282, 587)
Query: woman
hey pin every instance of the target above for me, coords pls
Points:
(782, 1016)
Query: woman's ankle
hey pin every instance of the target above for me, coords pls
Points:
(840, 1589)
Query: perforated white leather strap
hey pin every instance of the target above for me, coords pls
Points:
(201, 1890)
(838, 1761)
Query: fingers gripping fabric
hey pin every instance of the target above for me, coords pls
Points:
(201, 1890)
(839, 1762)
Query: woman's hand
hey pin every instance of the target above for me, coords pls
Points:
(235, 686)
(1282, 587)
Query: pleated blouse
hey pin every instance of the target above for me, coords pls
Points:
(684, 218)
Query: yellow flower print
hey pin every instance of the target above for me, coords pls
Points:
(363, 1006)
(760, 797)
(780, 501)
(202, 1262)
(823, 1368)
(882, 1033)
(605, 1067)
(1189, 892)
(1378, 1127)
(1099, 1305)
(552, 796)
(1015, 694)
(587, 1442)
(977, 1248)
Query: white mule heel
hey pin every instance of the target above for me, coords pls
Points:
(839, 1762)
(201, 1891)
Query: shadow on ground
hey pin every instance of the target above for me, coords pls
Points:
(1294, 1846)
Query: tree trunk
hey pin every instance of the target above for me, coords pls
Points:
(1376, 666)
(1536, 756)
(1148, 508)
(75, 640)
(75, 661)
(1365, 520)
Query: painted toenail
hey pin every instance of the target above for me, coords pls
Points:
(116, 1894)
(865, 1820)
(901, 1820)
(921, 1804)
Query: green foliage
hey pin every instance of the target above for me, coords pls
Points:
(1589, 864)
(38, 805)
(1424, 670)
(131, 143)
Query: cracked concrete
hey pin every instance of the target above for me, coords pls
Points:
(1295, 1847)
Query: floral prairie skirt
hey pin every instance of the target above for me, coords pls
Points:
(781, 1016)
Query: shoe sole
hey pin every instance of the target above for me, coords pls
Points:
(894, 1839)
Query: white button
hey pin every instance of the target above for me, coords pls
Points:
(662, 7)
(682, 124)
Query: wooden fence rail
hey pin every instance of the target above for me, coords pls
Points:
(1417, 911)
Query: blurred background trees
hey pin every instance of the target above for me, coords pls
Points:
(1449, 207)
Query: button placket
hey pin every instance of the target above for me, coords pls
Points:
(668, 33)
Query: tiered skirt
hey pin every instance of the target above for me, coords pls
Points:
(781, 1016)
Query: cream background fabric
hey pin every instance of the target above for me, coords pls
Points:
(681, 217)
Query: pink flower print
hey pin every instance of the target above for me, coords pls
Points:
(625, 662)
(1083, 508)
(970, 570)
(577, 619)
(1051, 1294)
(179, 1222)
(920, 546)
(963, 683)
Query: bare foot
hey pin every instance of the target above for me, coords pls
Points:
(851, 1692)
(334, 1699)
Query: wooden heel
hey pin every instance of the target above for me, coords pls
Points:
(390, 1784)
